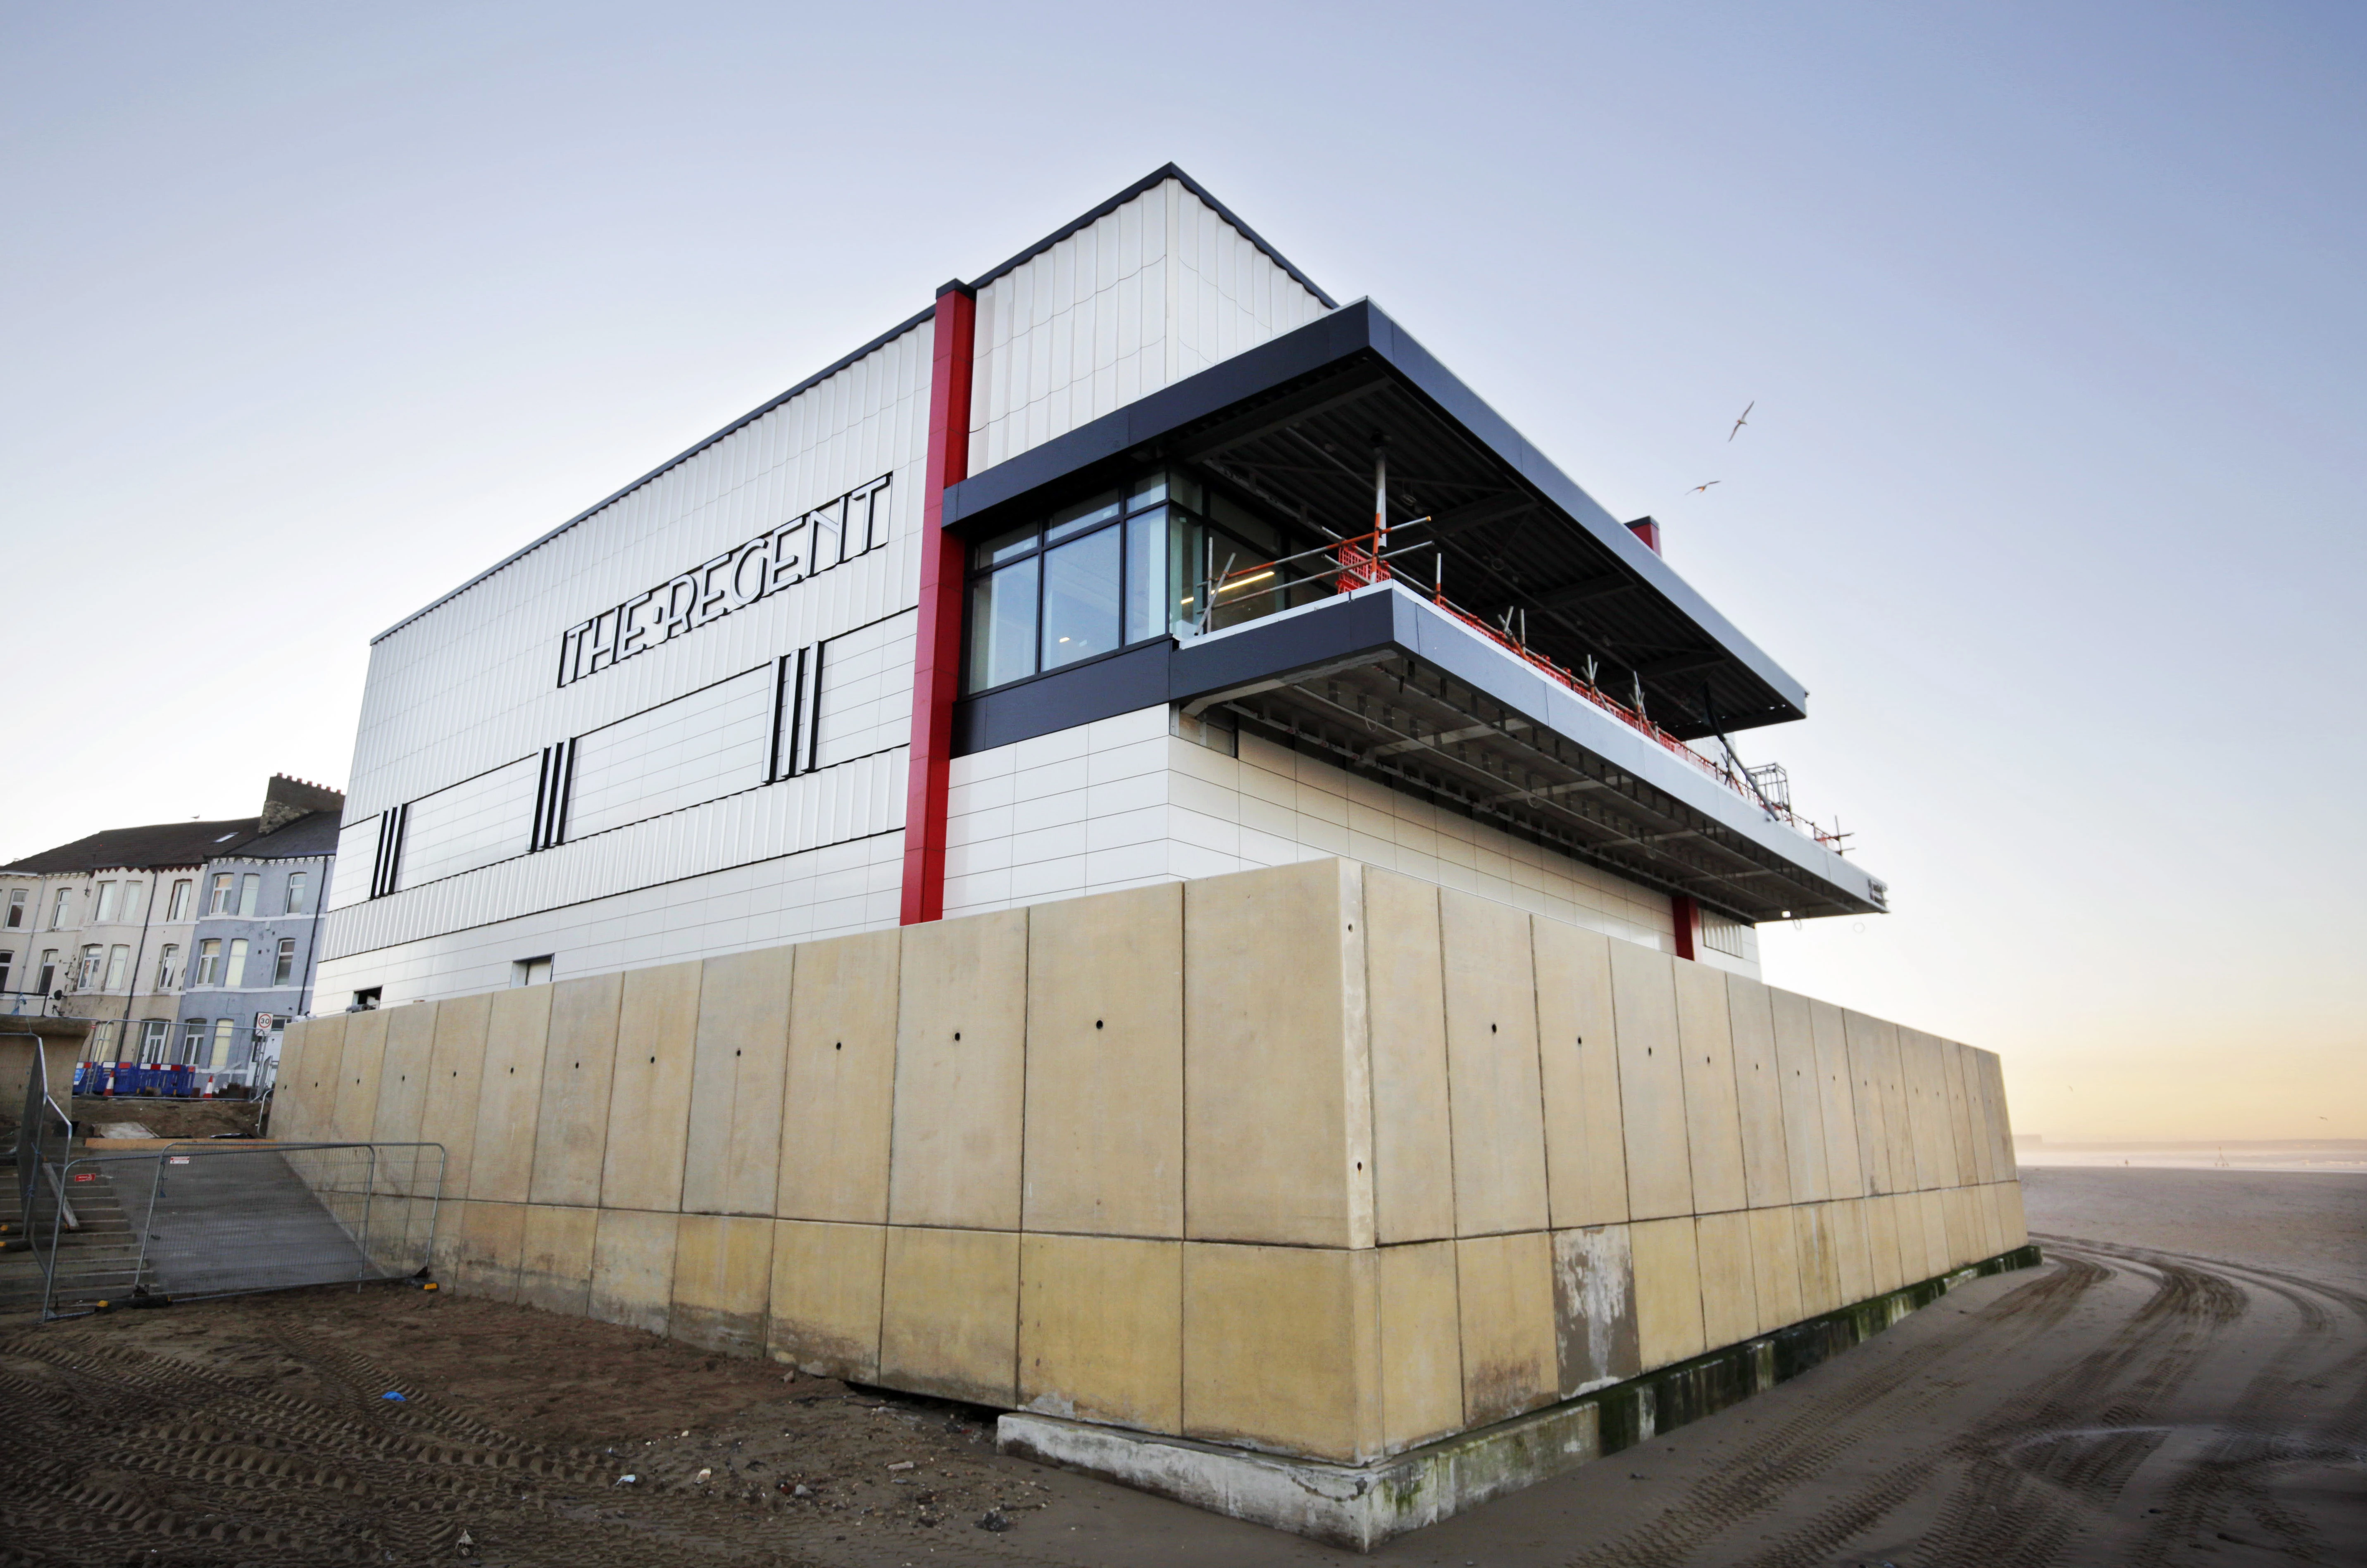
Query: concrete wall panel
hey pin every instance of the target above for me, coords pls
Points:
(355, 1117)
(1512, 1358)
(1758, 1093)
(1971, 1166)
(1845, 1167)
(960, 1081)
(1713, 1114)
(1932, 1209)
(632, 1268)
(1578, 1051)
(722, 1281)
(510, 1098)
(1807, 1163)
(949, 1310)
(554, 1269)
(2017, 1226)
(1280, 1349)
(456, 1075)
(1101, 1327)
(287, 1107)
(1852, 1241)
(1421, 1343)
(1277, 1122)
(1869, 1104)
(579, 1066)
(1817, 1248)
(1104, 1067)
(1651, 1082)
(1667, 1292)
(1888, 1265)
(1413, 1171)
(1775, 1267)
(1729, 1290)
(835, 1122)
(1495, 1101)
(1594, 1309)
(403, 1077)
(1927, 1089)
(492, 1240)
(732, 1162)
(649, 1101)
(825, 1302)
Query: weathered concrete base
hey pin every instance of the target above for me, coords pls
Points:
(1359, 1507)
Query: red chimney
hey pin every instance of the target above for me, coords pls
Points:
(1649, 531)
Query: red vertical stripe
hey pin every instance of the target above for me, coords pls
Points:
(1688, 914)
(936, 672)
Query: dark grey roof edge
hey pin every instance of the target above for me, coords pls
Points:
(890, 336)
(1151, 181)
(1358, 327)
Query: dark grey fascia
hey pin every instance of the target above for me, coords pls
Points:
(1104, 447)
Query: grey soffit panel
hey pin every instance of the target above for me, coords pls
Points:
(1382, 683)
(1293, 420)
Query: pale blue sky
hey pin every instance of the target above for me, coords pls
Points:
(2052, 314)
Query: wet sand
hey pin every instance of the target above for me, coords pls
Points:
(2185, 1381)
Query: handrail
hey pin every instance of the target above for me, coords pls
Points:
(1361, 560)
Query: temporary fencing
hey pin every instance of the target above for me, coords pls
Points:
(186, 1221)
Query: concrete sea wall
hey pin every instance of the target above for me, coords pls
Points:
(1320, 1161)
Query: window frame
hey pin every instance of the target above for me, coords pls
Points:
(292, 892)
(184, 893)
(283, 962)
(1134, 500)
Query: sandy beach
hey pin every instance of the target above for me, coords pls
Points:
(2185, 1380)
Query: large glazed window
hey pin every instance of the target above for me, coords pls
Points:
(1122, 567)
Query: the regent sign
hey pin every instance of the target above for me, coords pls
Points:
(807, 544)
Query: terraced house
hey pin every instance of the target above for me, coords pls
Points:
(187, 942)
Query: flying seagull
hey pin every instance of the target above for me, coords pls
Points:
(1698, 489)
(1742, 420)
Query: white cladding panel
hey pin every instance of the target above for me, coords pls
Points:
(472, 684)
(470, 824)
(858, 800)
(1124, 802)
(711, 743)
(663, 793)
(1154, 290)
(845, 887)
(356, 853)
(867, 690)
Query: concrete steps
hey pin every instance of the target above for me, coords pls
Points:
(98, 1261)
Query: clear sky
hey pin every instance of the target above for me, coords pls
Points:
(2052, 314)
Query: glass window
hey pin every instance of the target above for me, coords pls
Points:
(49, 981)
(1081, 598)
(297, 882)
(235, 966)
(131, 892)
(1147, 492)
(250, 894)
(58, 909)
(86, 971)
(7, 961)
(118, 959)
(218, 903)
(1071, 521)
(1004, 546)
(531, 971)
(169, 966)
(15, 909)
(156, 1040)
(222, 1029)
(283, 967)
(1146, 576)
(106, 911)
(193, 1039)
(208, 963)
(179, 910)
(1002, 625)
